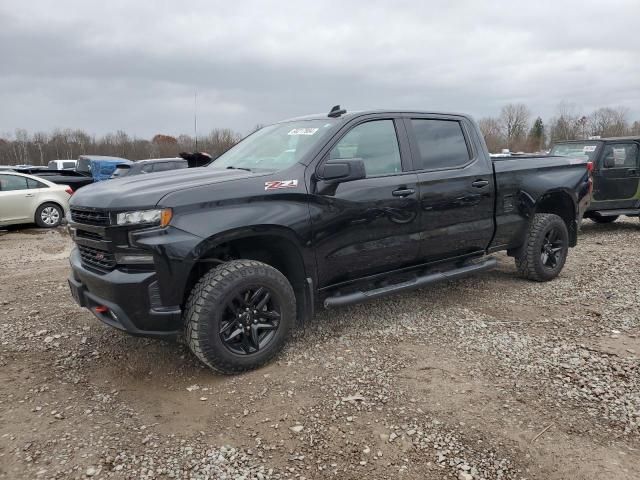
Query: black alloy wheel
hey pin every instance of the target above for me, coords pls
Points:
(552, 251)
(239, 315)
(545, 248)
(250, 321)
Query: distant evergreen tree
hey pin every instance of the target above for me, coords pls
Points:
(537, 135)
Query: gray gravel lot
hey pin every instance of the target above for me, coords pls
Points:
(490, 377)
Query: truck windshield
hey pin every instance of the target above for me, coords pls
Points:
(582, 149)
(275, 147)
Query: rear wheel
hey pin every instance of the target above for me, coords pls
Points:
(49, 215)
(239, 315)
(545, 250)
(610, 219)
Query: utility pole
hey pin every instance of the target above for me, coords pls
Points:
(195, 119)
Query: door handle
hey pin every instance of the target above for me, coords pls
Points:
(480, 183)
(29, 195)
(403, 192)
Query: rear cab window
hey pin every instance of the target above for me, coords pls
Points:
(440, 144)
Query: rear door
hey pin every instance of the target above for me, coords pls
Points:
(456, 186)
(369, 225)
(617, 176)
(17, 202)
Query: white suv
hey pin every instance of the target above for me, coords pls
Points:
(28, 199)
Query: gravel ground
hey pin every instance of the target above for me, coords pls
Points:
(490, 377)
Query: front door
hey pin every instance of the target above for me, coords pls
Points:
(457, 188)
(17, 202)
(617, 176)
(370, 225)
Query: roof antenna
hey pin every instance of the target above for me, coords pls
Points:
(336, 112)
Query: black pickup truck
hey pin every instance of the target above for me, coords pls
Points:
(616, 174)
(318, 211)
(73, 179)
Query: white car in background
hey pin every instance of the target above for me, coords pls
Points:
(29, 199)
(62, 164)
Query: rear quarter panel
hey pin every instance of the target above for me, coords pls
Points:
(522, 182)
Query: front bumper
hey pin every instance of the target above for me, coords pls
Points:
(123, 300)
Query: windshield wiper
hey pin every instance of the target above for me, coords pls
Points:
(238, 168)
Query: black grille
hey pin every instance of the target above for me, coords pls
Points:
(97, 259)
(89, 235)
(91, 217)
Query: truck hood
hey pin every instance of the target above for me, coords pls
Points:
(146, 190)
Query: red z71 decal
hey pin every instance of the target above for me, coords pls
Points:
(278, 184)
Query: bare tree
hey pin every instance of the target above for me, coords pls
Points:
(514, 118)
(568, 124)
(492, 131)
(609, 122)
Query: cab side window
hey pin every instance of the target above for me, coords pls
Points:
(31, 183)
(441, 144)
(375, 143)
(620, 155)
(9, 183)
(163, 167)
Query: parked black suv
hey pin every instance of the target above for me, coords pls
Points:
(314, 211)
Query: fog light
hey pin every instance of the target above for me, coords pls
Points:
(133, 258)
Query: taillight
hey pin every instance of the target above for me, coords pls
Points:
(589, 167)
(69, 190)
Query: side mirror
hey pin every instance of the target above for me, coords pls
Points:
(609, 162)
(341, 170)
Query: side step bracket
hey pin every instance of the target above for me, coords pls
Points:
(418, 282)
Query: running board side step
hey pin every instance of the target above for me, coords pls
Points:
(616, 213)
(419, 282)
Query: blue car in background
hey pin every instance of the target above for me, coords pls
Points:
(99, 167)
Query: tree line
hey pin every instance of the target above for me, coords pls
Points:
(38, 148)
(514, 129)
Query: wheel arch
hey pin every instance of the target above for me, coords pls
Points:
(561, 203)
(278, 247)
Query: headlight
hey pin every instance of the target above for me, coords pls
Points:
(160, 216)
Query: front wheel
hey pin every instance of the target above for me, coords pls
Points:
(239, 315)
(545, 248)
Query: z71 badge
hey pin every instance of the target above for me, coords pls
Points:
(278, 184)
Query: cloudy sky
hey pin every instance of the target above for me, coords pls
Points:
(104, 66)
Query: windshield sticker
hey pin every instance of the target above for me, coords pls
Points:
(303, 131)
(589, 148)
(279, 184)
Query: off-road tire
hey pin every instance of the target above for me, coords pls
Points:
(610, 219)
(48, 206)
(528, 258)
(203, 314)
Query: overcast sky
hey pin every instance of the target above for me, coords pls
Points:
(109, 65)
